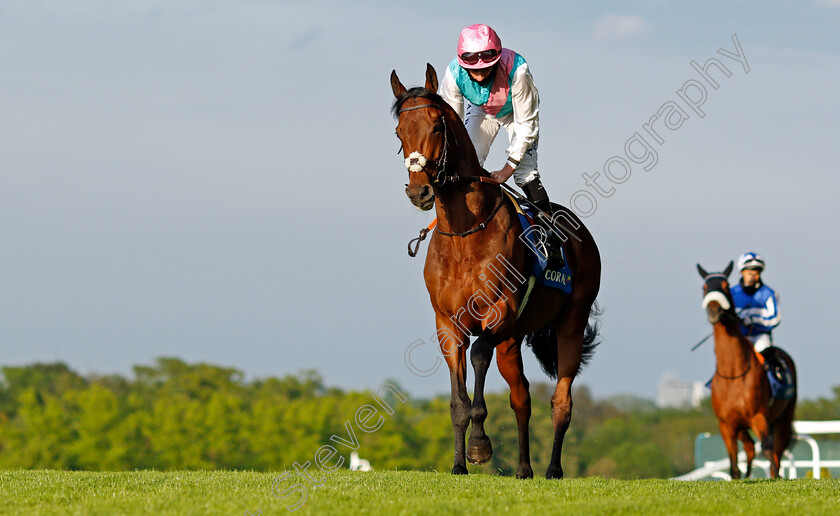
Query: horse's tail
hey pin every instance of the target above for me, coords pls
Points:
(544, 343)
(590, 336)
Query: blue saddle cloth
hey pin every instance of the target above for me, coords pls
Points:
(536, 263)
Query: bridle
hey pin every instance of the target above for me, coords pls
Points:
(728, 315)
(440, 179)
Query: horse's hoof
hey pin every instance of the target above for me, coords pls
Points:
(459, 470)
(479, 451)
(524, 472)
(554, 472)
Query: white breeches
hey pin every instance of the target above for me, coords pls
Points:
(483, 129)
(761, 341)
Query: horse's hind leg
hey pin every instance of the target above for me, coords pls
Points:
(783, 425)
(783, 433)
(561, 417)
(765, 433)
(570, 329)
(749, 448)
(479, 449)
(509, 360)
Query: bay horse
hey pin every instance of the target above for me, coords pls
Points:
(740, 389)
(474, 267)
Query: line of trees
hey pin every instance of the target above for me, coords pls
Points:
(175, 415)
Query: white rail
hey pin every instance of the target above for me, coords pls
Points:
(802, 431)
(816, 427)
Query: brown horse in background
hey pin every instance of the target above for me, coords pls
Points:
(740, 389)
(474, 273)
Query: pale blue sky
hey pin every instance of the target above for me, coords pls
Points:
(219, 180)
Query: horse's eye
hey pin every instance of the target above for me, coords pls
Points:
(438, 128)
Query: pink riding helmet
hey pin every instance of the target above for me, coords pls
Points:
(479, 38)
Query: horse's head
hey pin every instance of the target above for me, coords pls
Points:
(422, 130)
(717, 299)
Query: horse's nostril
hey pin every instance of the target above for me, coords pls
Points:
(426, 192)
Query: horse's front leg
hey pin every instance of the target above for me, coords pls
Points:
(454, 350)
(730, 438)
(480, 450)
(749, 449)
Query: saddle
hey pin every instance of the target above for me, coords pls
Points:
(537, 264)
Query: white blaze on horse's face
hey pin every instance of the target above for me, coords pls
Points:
(415, 162)
(716, 296)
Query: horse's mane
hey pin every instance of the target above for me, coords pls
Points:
(414, 93)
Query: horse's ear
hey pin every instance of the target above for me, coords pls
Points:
(728, 270)
(396, 85)
(431, 78)
(702, 271)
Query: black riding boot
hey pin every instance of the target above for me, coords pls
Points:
(772, 363)
(535, 193)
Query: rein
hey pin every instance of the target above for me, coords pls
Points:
(734, 377)
(480, 226)
(425, 231)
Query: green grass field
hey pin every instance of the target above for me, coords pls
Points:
(404, 492)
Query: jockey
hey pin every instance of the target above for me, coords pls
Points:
(756, 303)
(499, 92)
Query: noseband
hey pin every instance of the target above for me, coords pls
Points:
(440, 178)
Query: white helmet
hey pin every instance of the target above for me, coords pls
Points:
(751, 261)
